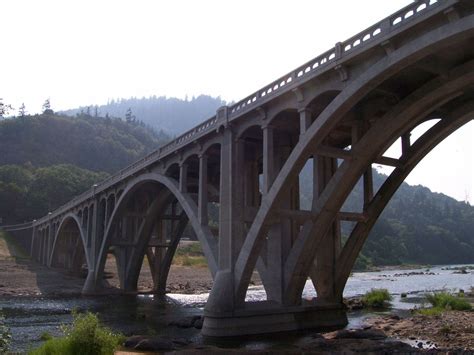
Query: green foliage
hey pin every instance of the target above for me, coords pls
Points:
(191, 249)
(190, 254)
(45, 336)
(430, 312)
(168, 113)
(27, 193)
(97, 144)
(377, 298)
(447, 301)
(5, 336)
(84, 337)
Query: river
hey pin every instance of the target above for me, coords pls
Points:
(29, 317)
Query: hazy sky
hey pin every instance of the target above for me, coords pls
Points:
(86, 52)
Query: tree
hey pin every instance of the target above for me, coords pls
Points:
(4, 108)
(129, 117)
(22, 110)
(47, 107)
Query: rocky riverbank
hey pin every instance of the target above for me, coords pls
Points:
(453, 330)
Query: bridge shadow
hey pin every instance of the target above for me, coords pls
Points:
(21, 275)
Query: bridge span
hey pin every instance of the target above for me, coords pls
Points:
(235, 179)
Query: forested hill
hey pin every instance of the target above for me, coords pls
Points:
(172, 115)
(418, 227)
(47, 159)
(93, 143)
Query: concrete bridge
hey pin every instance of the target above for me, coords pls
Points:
(336, 115)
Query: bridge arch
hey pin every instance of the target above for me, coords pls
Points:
(69, 245)
(420, 148)
(384, 132)
(166, 189)
(331, 115)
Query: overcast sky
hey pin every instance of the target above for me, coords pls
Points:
(86, 52)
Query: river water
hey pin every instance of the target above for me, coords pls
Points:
(29, 317)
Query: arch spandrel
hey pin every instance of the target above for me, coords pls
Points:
(428, 141)
(321, 127)
(187, 203)
(70, 217)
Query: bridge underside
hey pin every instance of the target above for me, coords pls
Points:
(263, 186)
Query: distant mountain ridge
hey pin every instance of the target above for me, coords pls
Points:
(172, 115)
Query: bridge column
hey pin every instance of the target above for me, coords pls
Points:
(231, 221)
(95, 231)
(330, 246)
(203, 193)
(279, 235)
(34, 235)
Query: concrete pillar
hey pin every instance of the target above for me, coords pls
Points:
(231, 223)
(50, 241)
(305, 120)
(406, 142)
(203, 193)
(93, 249)
(33, 240)
(368, 186)
(330, 246)
(183, 177)
(268, 159)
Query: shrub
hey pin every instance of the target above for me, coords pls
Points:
(5, 336)
(84, 337)
(446, 301)
(376, 298)
(45, 336)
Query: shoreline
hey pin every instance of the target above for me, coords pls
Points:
(22, 278)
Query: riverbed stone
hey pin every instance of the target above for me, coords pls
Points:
(360, 334)
(132, 341)
(155, 344)
(187, 322)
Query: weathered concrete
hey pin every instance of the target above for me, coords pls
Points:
(339, 112)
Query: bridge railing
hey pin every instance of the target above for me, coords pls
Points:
(15, 227)
(340, 50)
(318, 64)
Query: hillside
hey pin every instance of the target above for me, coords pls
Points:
(418, 227)
(48, 159)
(173, 116)
(93, 143)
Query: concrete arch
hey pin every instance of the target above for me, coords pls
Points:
(332, 114)
(172, 171)
(384, 132)
(66, 219)
(424, 145)
(317, 103)
(209, 144)
(416, 106)
(290, 109)
(188, 205)
(247, 128)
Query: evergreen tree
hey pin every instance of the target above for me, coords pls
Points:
(22, 110)
(4, 108)
(129, 117)
(47, 107)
